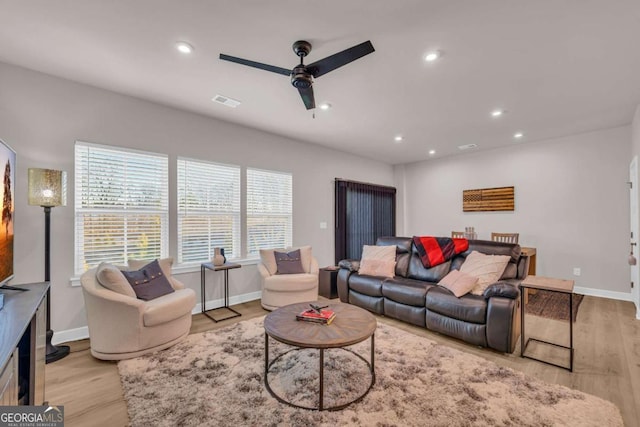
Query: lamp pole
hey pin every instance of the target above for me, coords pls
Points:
(53, 352)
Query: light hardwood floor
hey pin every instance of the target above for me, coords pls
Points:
(607, 362)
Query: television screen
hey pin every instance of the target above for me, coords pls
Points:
(8, 165)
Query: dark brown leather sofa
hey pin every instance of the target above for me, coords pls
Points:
(489, 320)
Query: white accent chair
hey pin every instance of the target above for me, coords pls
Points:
(283, 289)
(122, 326)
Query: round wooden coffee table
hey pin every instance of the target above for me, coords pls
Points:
(351, 325)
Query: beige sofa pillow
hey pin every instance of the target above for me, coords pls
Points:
(376, 267)
(487, 268)
(110, 277)
(378, 261)
(268, 259)
(458, 282)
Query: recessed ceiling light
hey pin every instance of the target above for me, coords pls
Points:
(325, 106)
(432, 152)
(497, 113)
(518, 135)
(398, 138)
(184, 47)
(432, 56)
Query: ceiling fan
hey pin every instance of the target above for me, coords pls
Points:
(302, 75)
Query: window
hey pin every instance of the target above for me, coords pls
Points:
(121, 206)
(208, 210)
(269, 210)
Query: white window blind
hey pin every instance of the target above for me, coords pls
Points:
(269, 210)
(121, 205)
(208, 210)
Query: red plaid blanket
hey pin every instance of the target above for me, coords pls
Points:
(437, 250)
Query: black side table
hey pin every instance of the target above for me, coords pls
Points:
(551, 285)
(328, 282)
(224, 267)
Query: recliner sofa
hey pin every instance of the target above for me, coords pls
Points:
(413, 295)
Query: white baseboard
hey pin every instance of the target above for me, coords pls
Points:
(622, 296)
(70, 335)
(83, 332)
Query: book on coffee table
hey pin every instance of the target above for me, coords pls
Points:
(324, 316)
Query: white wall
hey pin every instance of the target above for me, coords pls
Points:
(571, 196)
(42, 116)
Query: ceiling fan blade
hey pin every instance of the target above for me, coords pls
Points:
(307, 97)
(254, 64)
(339, 59)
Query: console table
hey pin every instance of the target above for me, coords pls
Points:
(23, 345)
(224, 267)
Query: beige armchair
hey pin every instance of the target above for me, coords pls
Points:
(122, 326)
(282, 289)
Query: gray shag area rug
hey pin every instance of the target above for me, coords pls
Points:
(216, 379)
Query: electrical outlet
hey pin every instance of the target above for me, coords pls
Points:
(576, 271)
(323, 225)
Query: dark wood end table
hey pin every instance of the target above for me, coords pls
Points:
(351, 325)
(328, 282)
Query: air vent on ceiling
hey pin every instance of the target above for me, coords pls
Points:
(225, 100)
(467, 146)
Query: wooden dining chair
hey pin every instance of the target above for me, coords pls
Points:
(505, 237)
(457, 235)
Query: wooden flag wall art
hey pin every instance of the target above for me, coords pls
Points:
(488, 199)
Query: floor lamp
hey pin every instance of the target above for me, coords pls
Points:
(48, 188)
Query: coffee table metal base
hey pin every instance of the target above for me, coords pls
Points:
(267, 366)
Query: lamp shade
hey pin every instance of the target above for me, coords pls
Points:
(47, 187)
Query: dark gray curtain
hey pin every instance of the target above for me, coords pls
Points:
(364, 212)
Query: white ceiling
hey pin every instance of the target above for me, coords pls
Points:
(558, 67)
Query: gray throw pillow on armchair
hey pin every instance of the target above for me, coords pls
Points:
(289, 262)
(149, 282)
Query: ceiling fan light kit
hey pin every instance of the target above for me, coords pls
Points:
(302, 76)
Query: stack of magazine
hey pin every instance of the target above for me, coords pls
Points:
(316, 314)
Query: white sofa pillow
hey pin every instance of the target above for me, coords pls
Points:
(487, 268)
(378, 261)
(458, 283)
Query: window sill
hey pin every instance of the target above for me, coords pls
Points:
(181, 269)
